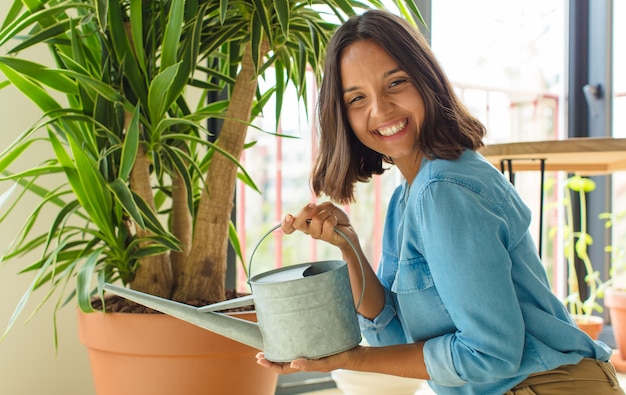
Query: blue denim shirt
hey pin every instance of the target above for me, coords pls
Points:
(462, 273)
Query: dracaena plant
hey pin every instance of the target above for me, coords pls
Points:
(147, 189)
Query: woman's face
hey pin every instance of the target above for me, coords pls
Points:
(384, 107)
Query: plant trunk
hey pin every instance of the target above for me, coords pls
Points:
(204, 274)
(182, 224)
(154, 274)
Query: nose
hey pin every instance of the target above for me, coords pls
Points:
(381, 107)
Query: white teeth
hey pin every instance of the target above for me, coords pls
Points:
(390, 131)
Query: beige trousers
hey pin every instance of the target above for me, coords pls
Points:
(588, 377)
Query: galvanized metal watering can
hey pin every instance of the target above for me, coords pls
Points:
(303, 311)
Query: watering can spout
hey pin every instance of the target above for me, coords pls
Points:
(242, 331)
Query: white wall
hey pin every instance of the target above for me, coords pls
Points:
(28, 362)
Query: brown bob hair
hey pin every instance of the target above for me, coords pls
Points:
(448, 127)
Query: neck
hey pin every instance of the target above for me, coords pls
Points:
(410, 166)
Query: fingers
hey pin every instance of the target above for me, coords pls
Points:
(287, 224)
(280, 368)
(309, 365)
(312, 219)
(321, 225)
(342, 360)
(297, 365)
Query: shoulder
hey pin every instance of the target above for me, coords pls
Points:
(469, 184)
(471, 172)
(470, 166)
(469, 181)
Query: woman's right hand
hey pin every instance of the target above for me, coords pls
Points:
(319, 221)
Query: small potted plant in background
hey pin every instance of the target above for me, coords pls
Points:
(615, 292)
(146, 197)
(575, 244)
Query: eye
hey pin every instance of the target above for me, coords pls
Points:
(353, 100)
(398, 81)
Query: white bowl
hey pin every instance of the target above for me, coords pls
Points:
(352, 382)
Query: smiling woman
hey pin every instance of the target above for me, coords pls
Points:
(383, 105)
(456, 236)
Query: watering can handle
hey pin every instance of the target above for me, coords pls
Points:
(342, 235)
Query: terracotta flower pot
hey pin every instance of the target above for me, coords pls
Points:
(591, 325)
(157, 354)
(615, 301)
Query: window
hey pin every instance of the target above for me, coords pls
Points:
(514, 66)
(507, 60)
(619, 128)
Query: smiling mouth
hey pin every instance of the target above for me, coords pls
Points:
(391, 130)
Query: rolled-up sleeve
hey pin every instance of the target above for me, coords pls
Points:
(384, 329)
(438, 353)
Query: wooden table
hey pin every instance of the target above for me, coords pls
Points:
(585, 156)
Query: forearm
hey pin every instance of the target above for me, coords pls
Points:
(374, 296)
(406, 360)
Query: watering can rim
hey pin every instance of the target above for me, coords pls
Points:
(257, 277)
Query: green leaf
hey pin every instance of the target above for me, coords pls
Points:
(124, 196)
(224, 35)
(124, 53)
(173, 31)
(256, 39)
(280, 89)
(282, 12)
(412, 12)
(32, 172)
(101, 88)
(30, 89)
(4, 197)
(580, 184)
(136, 30)
(88, 185)
(301, 67)
(159, 92)
(83, 281)
(263, 14)
(41, 74)
(13, 13)
(234, 242)
(38, 16)
(102, 9)
(26, 296)
(130, 147)
(13, 152)
(152, 223)
(92, 183)
(223, 10)
(581, 247)
(47, 34)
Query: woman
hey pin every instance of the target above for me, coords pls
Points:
(460, 297)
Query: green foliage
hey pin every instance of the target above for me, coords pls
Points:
(617, 250)
(120, 83)
(576, 243)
